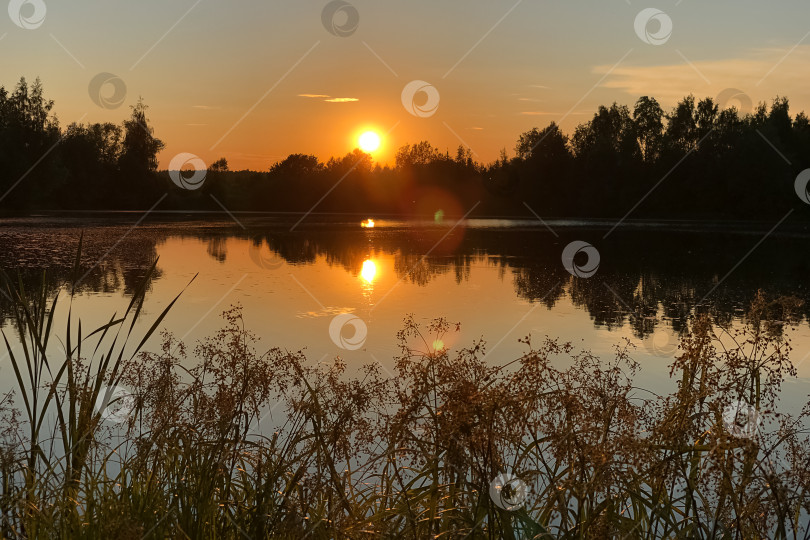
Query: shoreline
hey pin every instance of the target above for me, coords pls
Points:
(259, 219)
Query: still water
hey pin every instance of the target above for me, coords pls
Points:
(500, 279)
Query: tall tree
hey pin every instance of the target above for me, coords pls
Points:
(548, 144)
(421, 153)
(608, 138)
(140, 147)
(648, 119)
(681, 134)
(705, 117)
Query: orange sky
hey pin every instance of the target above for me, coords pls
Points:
(229, 79)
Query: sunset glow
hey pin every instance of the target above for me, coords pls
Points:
(341, 81)
(369, 142)
(561, 181)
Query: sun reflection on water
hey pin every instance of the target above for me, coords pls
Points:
(369, 271)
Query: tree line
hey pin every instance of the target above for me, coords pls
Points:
(83, 166)
(699, 160)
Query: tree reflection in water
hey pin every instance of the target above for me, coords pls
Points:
(645, 277)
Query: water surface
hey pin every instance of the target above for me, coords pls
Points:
(501, 279)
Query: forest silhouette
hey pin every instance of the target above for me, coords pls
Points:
(697, 161)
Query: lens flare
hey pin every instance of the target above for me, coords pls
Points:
(369, 270)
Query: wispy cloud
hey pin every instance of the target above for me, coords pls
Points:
(329, 98)
(205, 107)
(671, 82)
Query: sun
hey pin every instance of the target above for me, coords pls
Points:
(369, 141)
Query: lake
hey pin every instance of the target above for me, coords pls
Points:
(500, 279)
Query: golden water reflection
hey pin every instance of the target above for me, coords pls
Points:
(369, 271)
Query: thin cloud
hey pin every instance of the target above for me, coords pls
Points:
(204, 107)
(342, 100)
(313, 95)
(671, 82)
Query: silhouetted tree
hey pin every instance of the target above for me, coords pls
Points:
(28, 134)
(220, 165)
(648, 121)
(90, 156)
(296, 166)
(464, 157)
(681, 133)
(421, 153)
(697, 161)
(141, 147)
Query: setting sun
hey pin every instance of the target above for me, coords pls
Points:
(369, 141)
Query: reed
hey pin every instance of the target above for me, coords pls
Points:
(246, 442)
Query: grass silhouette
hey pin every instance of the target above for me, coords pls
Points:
(409, 454)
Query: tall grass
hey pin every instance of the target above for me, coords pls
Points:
(50, 455)
(250, 443)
